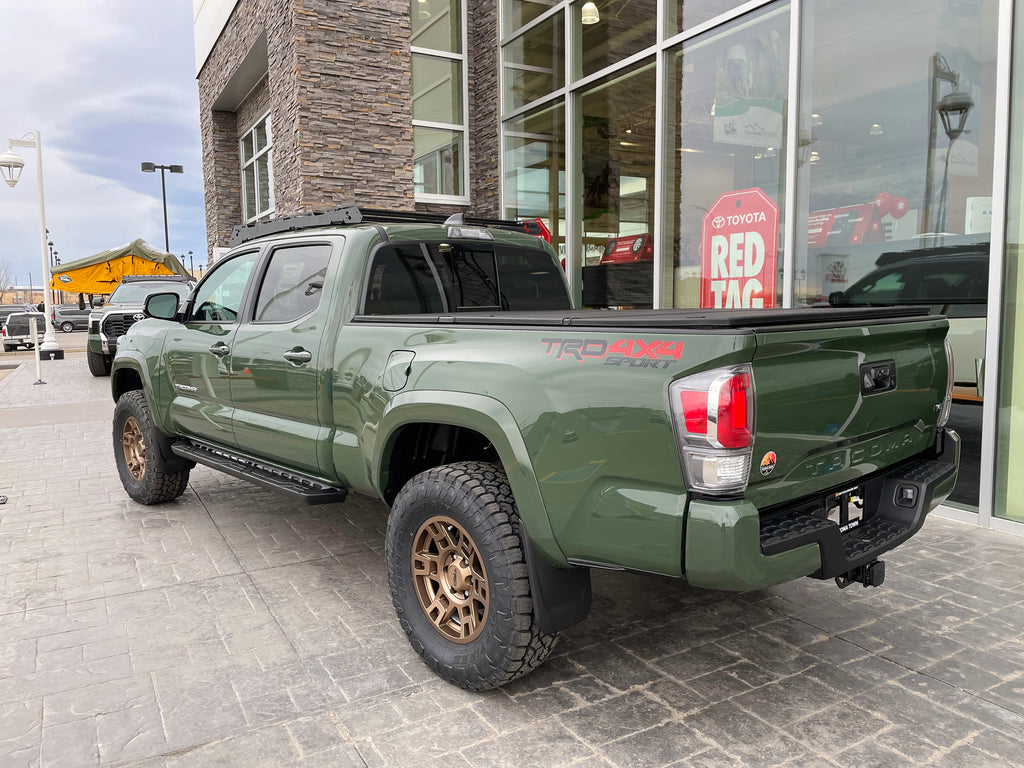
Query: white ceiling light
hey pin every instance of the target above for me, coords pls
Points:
(590, 14)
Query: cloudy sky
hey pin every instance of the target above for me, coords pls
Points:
(109, 84)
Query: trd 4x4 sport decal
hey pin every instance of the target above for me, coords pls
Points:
(636, 353)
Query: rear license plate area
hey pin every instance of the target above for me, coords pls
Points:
(846, 508)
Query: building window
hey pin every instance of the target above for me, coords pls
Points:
(257, 173)
(439, 101)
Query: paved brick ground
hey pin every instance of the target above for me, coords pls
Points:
(233, 628)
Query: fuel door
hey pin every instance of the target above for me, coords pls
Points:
(397, 370)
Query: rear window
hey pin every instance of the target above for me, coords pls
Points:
(463, 277)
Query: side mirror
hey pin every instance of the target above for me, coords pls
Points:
(163, 306)
(835, 298)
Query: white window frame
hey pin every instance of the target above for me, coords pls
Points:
(461, 128)
(247, 216)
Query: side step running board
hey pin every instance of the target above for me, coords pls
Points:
(300, 487)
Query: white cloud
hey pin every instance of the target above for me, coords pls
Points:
(108, 83)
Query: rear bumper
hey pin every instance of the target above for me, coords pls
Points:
(729, 546)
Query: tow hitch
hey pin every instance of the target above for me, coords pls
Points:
(870, 575)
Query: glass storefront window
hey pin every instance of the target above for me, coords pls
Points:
(726, 112)
(1009, 481)
(623, 27)
(535, 170)
(618, 131)
(518, 13)
(895, 181)
(681, 15)
(435, 25)
(534, 63)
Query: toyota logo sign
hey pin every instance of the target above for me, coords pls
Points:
(138, 316)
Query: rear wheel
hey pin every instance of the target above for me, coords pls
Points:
(458, 576)
(67, 326)
(143, 470)
(98, 364)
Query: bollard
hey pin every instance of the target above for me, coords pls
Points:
(35, 347)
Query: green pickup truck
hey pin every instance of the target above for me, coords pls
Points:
(439, 366)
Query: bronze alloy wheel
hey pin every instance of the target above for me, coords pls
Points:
(450, 579)
(134, 448)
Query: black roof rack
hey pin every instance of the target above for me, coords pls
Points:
(967, 249)
(350, 215)
(158, 278)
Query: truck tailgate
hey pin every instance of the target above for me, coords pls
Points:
(840, 402)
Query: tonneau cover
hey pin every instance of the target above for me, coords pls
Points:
(675, 319)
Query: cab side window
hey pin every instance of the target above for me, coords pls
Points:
(401, 282)
(219, 296)
(293, 283)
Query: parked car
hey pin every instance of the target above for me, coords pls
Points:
(68, 317)
(520, 442)
(951, 280)
(109, 321)
(17, 330)
(6, 309)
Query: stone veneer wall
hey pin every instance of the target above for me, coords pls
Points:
(354, 92)
(339, 90)
(221, 164)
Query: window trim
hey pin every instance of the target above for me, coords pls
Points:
(243, 166)
(463, 60)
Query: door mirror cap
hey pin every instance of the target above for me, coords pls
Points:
(163, 306)
(835, 298)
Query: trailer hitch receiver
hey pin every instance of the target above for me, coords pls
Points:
(870, 575)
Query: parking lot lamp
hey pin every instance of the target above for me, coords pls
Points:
(151, 168)
(11, 166)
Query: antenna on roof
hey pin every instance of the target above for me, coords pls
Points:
(455, 220)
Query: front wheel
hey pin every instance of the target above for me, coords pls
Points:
(98, 364)
(144, 471)
(458, 576)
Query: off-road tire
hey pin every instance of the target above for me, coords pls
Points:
(98, 364)
(476, 497)
(67, 326)
(144, 472)
(9, 348)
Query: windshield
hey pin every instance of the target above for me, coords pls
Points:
(136, 293)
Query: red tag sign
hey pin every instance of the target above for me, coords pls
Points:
(739, 251)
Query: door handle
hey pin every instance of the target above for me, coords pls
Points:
(220, 349)
(298, 357)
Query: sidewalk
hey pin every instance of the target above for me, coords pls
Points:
(233, 628)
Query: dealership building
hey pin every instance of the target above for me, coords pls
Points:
(683, 154)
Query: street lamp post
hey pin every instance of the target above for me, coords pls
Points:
(11, 166)
(151, 168)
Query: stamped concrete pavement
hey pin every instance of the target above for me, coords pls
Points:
(232, 628)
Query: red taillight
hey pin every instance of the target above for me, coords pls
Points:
(733, 421)
(713, 413)
(537, 227)
(695, 411)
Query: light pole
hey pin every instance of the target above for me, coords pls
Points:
(11, 166)
(151, 168)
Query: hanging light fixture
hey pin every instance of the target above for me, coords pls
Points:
(953, 109)
(10, 167)
(590, 14)
(876, 129)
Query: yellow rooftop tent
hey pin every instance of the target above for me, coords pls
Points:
(102, 272)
